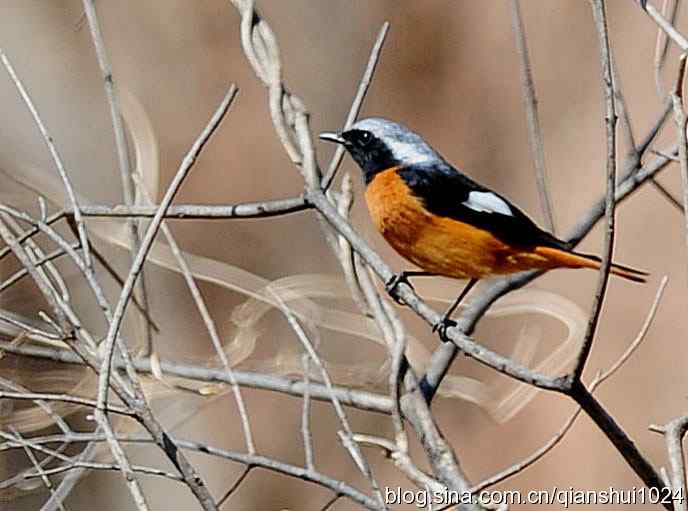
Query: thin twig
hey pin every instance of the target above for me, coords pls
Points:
(306, 433)
(617, 436)
(210, 325)
(64, 398)
(54, 153)
(664, 24)
(37, 254)
(43, 405)
(601, 378)
(123, 158)
(363, 85)
(19, 274)
(254, 460)
(346, 255)
(330, 502)
(109, 466)
(530, 101)
(125, 467)
(191, 478)
(37, 467)
(669, 10)
(147, 243)
(600, 15)
(347, 434)
(667, 195)
(235, 485)
(681, 124)
(72, 477)
(32, 232)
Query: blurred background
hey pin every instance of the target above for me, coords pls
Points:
(450, 71)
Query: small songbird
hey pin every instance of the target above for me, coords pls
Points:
(443, 221)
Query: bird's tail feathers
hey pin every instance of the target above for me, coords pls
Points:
(567, 259)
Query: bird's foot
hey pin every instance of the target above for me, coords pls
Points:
(441, 327)
(394, 282)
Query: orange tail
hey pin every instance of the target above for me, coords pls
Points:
(564, 259)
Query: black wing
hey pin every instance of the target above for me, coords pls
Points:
(448, 193)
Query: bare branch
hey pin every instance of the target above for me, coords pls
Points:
(122, 156)
(530, 101)
(125, 466)
(363, 85)
(147, 243)
(37, 467)
(681, 125)
(601, 378)
(264, 209)
(235, 485)
(407, 403)
(667, 195)
(346, 435)
(57, 159)
(673, 433)
(633, 179)
(664, 24)
(211, 328)
(306, 415)
(362, 400)
(600, 15)
(65, 398)
(669, 10)
(254, 460)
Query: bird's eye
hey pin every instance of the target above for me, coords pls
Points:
(363, 138)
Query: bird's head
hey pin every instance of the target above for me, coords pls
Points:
(378, 144)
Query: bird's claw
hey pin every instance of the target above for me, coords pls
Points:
(394, 282)
(441, 327)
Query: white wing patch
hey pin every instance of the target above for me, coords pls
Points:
(411, 153)
(487, 202)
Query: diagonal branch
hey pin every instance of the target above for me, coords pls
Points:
(535, 137)
(54, 153)
(147, 243)
(363, 86)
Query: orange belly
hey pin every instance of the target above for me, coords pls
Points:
(441, 245)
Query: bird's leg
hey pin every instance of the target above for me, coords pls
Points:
(444, 323)
(404, 276)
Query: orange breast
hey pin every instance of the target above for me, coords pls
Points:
(438, 244)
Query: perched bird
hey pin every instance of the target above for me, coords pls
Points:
(443, 221)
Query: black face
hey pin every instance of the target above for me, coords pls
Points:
(371, 153)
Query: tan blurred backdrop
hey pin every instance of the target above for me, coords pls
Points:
(450, 70)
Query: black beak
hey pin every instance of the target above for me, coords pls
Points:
(332, 136)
